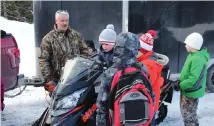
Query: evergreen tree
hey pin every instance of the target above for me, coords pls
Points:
(17, 10)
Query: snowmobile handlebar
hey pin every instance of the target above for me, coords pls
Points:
(97, 60)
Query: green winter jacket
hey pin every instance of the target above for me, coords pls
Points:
(194, 73)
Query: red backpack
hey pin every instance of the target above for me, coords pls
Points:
(131, 98)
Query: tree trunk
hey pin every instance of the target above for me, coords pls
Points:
(4, 9)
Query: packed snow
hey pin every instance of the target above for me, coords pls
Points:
(24, 109)
(24, 35)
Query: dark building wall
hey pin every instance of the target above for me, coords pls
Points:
(44, 14)
(91, 17)
(87, 17)
(173, 21)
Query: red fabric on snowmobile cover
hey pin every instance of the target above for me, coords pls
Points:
(139, 109)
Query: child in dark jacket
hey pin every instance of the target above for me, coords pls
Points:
(124, 55)
(192, 82)
(107, 41)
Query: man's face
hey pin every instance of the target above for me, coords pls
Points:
(62, 21)
(107, 47)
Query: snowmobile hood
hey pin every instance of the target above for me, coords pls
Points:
(78, 73)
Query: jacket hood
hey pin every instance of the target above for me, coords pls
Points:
(125, 50)
(204, 53)
(162, 59)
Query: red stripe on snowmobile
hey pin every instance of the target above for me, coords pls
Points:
(72, 111)
(89, 113)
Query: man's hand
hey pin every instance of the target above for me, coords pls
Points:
(177, 85)
(50, 86)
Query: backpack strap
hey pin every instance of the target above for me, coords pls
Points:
(129, 78)
(135, 65)
(198, 84)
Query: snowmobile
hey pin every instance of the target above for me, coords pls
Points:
(166, 94)
(73, 100)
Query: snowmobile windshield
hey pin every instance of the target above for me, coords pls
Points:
(78, 73)
(74, 68)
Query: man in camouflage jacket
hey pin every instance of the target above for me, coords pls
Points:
(125, 52)
(57, 46)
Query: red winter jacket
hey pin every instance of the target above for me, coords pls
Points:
(154, 63)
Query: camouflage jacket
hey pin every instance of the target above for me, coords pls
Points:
(102, 117)
(56, 48)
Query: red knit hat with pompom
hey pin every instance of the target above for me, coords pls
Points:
(147, 40)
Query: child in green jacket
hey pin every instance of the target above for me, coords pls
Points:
(192, 82)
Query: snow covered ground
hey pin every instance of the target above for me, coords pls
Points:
(205, 111)
(24, 35)
(23, 110)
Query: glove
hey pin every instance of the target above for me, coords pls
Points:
(50, 86)
(177, 85)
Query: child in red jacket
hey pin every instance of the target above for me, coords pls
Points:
(153, 61)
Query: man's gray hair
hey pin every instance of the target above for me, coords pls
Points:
(59, 12)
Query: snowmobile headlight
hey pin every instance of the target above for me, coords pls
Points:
(68, 102)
